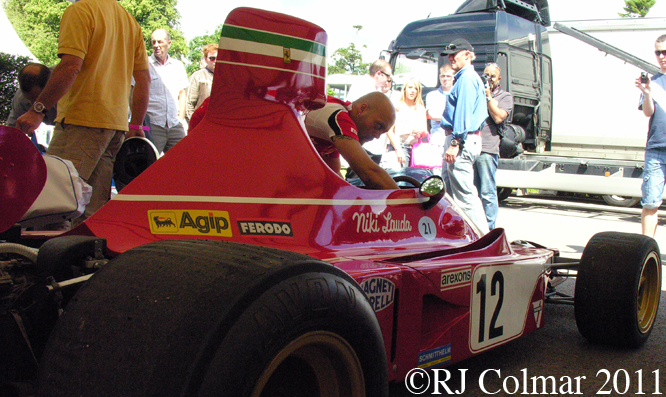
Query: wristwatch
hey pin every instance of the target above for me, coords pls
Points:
(39, 108)
(454, 142)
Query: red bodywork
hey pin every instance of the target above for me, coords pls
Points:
(248, 173)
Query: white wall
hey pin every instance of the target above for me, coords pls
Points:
(594, 93)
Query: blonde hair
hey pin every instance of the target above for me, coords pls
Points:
(418, 100)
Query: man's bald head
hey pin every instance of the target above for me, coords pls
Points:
(373, 115)
(161, 41)
(32, 80)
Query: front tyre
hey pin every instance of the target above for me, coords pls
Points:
(618, 289)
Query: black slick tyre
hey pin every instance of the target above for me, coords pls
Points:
(618, 288)
(203, 318)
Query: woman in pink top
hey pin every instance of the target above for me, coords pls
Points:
(410, 121)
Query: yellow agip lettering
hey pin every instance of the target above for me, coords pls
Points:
(190, 222)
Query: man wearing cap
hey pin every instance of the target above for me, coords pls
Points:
(462, 120)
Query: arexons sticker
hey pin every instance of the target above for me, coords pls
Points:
(265, 228)
(190, 222)
(455, 278)
(380, 291)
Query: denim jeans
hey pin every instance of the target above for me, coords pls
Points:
(407, 150)
(459, 178)
(654, 176)
(485, 167)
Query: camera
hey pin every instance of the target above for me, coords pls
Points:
(485, 80)
(644, 78)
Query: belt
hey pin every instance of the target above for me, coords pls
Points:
(449, 132)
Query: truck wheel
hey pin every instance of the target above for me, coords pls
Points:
(503, 193)
(208, 318)
(619, 201)
(618, 288)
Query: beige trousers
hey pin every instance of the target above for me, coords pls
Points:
(93, 152)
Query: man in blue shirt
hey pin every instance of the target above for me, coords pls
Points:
(462, 120)
(653, 103)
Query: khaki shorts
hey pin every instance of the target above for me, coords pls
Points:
(92, 151)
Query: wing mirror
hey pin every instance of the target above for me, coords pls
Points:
(433, 188)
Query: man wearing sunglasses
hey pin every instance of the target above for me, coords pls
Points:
(201, 81)
(378, 78)
(653, 103)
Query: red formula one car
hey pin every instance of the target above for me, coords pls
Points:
(239, 264)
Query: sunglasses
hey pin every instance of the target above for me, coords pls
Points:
(212, 58)
(388, 76)
(660, 52)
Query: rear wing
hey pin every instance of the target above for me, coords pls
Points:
(607, 48)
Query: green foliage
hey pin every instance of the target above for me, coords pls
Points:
(195, 48)
(158, 14)
(10, 65)
(347, 60)
(37, 23)
(636, 8)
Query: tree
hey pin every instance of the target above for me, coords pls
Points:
(636, 8)
(348, 60)
(195, 48)
(158, 14)
(10, 65)
(37, 23)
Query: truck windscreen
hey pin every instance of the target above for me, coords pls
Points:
(423, 69)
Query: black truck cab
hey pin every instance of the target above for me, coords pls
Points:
(511, 33)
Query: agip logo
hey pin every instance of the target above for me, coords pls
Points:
(190, 222)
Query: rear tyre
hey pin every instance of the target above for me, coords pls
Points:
(618, 288)
(208, 318)
(619, 201)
